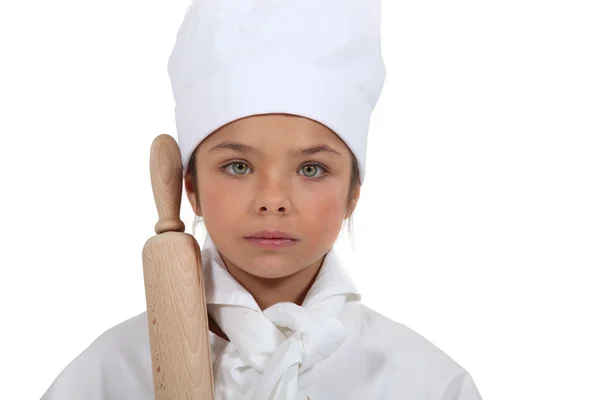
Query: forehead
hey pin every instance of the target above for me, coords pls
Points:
(276, 131)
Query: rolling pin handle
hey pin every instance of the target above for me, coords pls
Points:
(166, 174)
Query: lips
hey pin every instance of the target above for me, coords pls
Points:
(271, 235)
(271, 244)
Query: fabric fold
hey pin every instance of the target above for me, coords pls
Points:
(269, 349)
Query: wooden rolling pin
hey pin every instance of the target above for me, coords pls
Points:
(175, 299)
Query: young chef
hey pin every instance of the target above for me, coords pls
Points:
(273, 103)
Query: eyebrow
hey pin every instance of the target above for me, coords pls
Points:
(244, 148)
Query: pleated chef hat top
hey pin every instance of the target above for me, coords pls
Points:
(319, 59)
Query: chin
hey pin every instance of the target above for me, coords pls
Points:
(269, 269)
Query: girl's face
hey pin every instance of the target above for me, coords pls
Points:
(254, 174)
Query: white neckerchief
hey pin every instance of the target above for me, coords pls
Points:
(268, 350)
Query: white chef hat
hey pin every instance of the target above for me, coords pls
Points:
(320, 59)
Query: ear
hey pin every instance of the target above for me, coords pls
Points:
(354, 201)
(192, 194)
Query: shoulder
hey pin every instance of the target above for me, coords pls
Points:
(411, 355)
(129, 335)
(102, 370)
(400, 340)
(126, 340)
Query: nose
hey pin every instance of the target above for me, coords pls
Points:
(272, 198)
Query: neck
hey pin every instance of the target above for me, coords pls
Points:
(270, 291)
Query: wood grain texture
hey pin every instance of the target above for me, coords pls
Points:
(175, 298)
(177, 319)
(166, 178)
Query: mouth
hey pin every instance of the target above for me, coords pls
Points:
(271, 239)
(271, 243)
(271, 235)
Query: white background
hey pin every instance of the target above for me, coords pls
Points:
(479, 221)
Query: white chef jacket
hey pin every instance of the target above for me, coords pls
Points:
(343, 350)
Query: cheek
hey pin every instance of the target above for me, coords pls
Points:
(328, 208)
(326, 215)
(217, 203)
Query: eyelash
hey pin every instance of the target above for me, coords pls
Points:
(324, 168)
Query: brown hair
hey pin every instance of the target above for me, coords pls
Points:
(354, 183)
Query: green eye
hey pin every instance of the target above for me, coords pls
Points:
(239, 168)
(310, 170)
